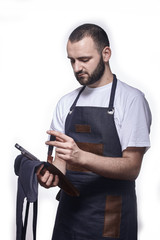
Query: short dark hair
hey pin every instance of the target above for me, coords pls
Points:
(98, 35)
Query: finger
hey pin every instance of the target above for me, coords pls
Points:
(62, 151)
(44, 178)
(60, 135)
(64, 157)
(56, 181)
(57, 144)
(47, 180)
(59, 139)
(39, 169)
(50, 180)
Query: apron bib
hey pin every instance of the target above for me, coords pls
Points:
(106, 208)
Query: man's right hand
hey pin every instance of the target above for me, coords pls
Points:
(47, 179)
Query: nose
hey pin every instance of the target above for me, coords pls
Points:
(77, 67)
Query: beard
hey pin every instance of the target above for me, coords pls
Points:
(93, 77)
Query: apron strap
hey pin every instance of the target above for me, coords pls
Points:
(50, 150)
(111, 101)
(75, 101)
(24, 226)
(35, 210)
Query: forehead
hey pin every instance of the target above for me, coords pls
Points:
(84, 47)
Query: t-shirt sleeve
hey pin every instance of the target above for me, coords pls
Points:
(57, 123)
(61, 111)
(136, 123)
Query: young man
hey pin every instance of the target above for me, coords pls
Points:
(102, 133)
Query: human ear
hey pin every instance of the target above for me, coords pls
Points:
(106, 54)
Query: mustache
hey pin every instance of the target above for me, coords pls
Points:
(80, 72)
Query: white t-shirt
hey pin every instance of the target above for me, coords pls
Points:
(132, 114)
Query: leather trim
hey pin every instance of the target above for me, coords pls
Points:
(82, 128)
(49, 159)
(76, 168)
(96, 148)
(112, 217)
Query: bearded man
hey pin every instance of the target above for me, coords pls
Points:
(101, 133)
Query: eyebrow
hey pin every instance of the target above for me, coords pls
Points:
(79, 58)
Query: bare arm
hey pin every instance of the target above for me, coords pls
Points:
(126, 167)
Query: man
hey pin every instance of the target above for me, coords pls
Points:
(102, 133)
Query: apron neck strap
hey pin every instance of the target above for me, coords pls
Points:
(75, 101)
(111, 101)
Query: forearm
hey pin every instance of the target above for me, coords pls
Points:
(125, 167)
(60, 164)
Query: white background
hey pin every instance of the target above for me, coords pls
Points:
(35, 73)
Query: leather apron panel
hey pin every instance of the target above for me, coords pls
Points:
(112, 217)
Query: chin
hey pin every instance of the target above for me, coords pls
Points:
(83, 82)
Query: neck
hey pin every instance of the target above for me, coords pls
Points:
(104, 80)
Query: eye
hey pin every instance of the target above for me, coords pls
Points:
(84, 59)
(72, 60)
